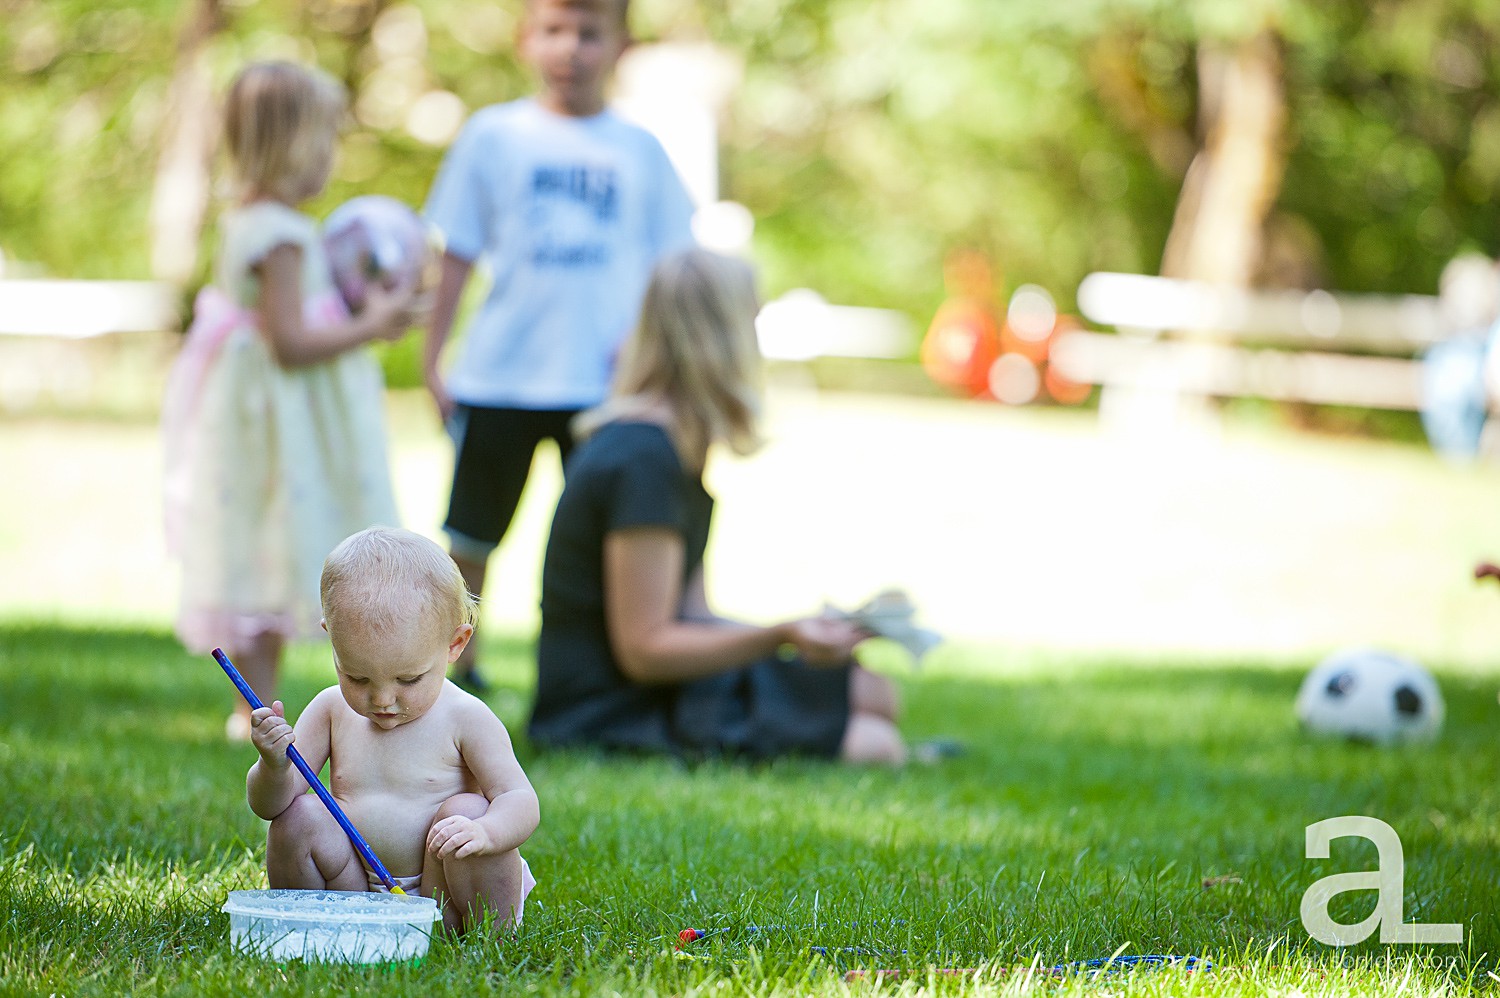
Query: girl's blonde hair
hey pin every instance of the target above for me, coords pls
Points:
(281, 121)
(383, 577)
(695, 348)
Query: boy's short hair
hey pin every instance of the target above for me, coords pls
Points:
(620, 7)
(385, 576)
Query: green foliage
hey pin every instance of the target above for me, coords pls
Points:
(868, 136)
(1096, 798)
(81, 87)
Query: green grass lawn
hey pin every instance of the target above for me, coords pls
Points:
(1181, 587)
(1097, 797)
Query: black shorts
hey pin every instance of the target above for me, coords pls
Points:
(494, 449)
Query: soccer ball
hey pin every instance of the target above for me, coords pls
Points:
(374, 239)
(1369, 695)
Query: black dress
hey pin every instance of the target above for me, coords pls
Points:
(627, 474)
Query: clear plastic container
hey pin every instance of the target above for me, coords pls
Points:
(330, 926)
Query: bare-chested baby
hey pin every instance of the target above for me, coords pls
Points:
(424, 770)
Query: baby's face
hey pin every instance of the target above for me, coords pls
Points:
(394, 679)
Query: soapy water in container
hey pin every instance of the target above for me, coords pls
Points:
(330, 926)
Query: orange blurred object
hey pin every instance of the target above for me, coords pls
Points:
(1030, 319)
(969, 349)
(960, 346)
(1015, 380)
(963, 340)
(1034, 350)
(1059, 388)
(1064, 391)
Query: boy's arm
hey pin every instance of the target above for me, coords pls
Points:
(514, 811)
(454, 274)
(273, 782)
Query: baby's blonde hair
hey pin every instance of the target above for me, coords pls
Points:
(281, 121)
(385, 576)
(695, 347)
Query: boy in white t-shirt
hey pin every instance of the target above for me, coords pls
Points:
(570, 206)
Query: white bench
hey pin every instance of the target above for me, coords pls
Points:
(1190, 339)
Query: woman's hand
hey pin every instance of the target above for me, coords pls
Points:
(825, 640)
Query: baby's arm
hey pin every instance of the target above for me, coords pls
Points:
(514, 811)
(273, 782)
(387, 314)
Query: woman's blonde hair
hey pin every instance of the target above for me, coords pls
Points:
(695, 348)
(384, 577)
(281, 121)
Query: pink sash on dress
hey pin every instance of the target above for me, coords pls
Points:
(215, 317)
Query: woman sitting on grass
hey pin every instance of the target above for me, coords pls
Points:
(630, 656)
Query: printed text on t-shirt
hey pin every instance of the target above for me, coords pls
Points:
(592, 186)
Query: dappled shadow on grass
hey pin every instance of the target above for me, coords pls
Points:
(1091, 806)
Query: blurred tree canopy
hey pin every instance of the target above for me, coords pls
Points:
(868, 137)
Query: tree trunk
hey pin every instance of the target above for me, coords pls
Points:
(1217, 230)
(180, 195)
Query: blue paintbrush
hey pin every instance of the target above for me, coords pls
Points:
(312, 780)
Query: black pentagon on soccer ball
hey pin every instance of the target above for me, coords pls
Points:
(1408, 701)
(1340, 683)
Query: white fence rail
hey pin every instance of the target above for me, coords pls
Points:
(1192, 339)
(81, 309)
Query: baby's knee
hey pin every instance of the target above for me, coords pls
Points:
(485, 887)
(298, 823)
(462, 806)
(504, 886)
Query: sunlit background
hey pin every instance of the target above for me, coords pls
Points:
(1092, 324)
(1149, 346)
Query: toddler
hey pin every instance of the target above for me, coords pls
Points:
(423, 769)
(274, 419)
